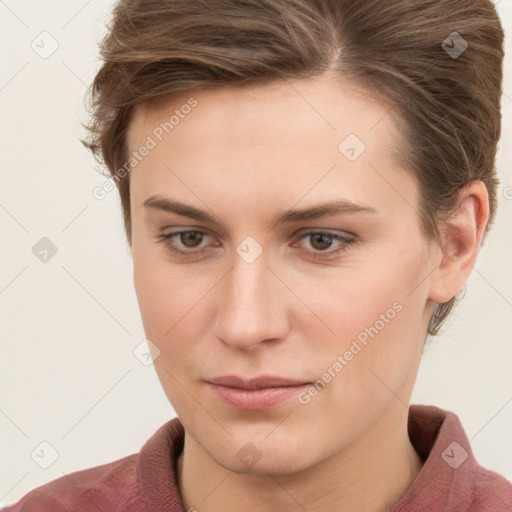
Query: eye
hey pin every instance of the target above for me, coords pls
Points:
(320, 241)
(189, 239)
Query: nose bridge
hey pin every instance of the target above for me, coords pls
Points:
(250, 308)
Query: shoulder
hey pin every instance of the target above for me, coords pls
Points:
(451, 477)
(112, 486)
(491, 491)
(140, 482)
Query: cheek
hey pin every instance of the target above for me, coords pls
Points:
(378, 324)
(166, 302)
(162, 289)
(166, 306)
(371, 295)
(171, 301)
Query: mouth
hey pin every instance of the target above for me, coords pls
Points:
(258, 393)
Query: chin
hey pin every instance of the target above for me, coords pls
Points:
(278, 464)
(259, 454)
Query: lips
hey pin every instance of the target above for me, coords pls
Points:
(256, 393)
(264, 381)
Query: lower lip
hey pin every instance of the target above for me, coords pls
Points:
(256, 399)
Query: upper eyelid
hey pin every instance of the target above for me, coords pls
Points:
(302, 231)
(307, 229)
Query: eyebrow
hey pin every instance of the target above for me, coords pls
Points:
(327, 209)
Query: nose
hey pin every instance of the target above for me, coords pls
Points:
(252, 306)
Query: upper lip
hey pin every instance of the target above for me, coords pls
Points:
(264, 381)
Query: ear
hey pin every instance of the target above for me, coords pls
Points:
(461, 241)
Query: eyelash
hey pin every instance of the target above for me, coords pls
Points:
(344, 246)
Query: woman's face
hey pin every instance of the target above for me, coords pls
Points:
(338, 297)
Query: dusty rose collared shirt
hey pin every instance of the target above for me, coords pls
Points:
(451, 480)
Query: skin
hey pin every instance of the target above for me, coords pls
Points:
(246, 155)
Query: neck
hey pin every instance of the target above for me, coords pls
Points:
(370, 475)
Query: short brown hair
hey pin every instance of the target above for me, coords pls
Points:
(400, 50)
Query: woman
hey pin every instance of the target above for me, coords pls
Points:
(305, 188)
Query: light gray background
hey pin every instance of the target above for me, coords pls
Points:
(68, 375)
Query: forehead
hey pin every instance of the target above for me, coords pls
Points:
(245, 151)
(288, 113)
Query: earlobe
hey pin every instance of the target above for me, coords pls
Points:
(462, 238)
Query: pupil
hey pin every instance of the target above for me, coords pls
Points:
(192, 235)
(327, 239)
